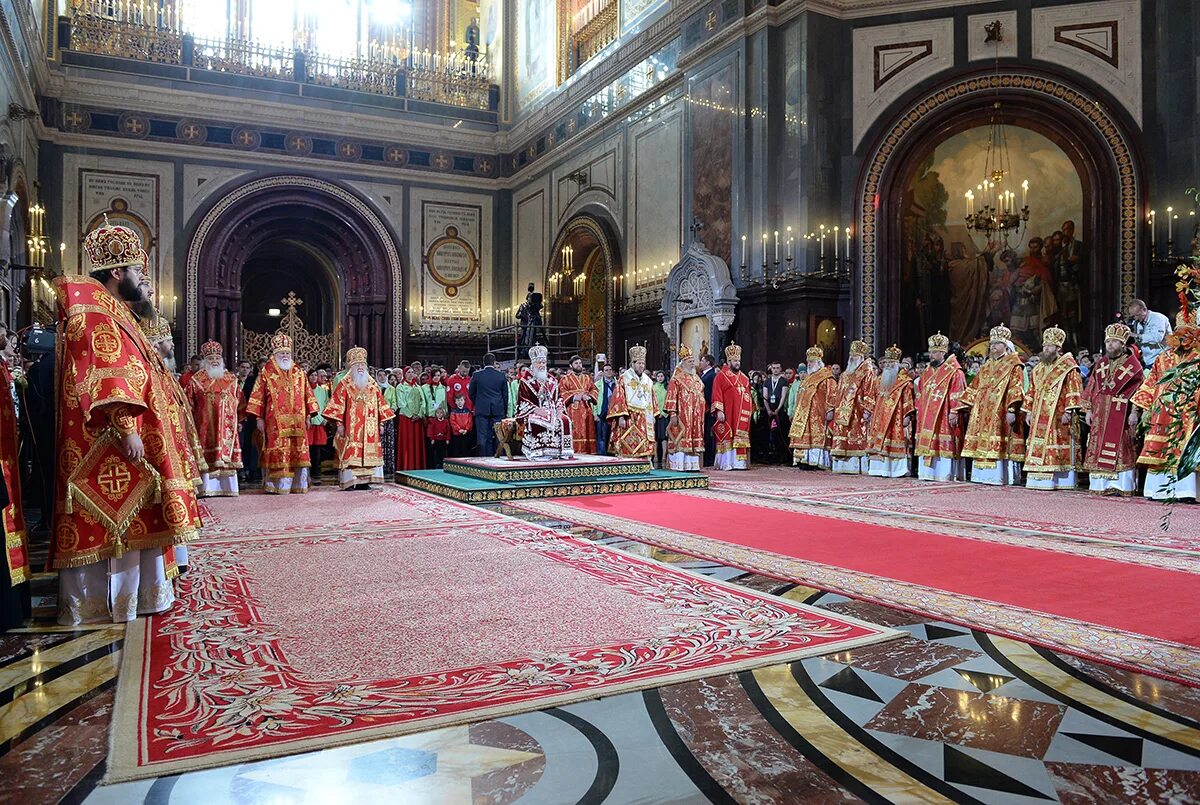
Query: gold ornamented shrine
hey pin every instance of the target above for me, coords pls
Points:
(311, 348)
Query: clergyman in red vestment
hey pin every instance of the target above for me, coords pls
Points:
(216, 397)
(1111, 458)
(359, 409)
(1054, 397)
(732, 405)
(685, 407)
(579, 394)
(856, 393)
(283, 401)
(888, 444)
(939, 426)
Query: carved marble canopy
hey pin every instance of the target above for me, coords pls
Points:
(699, 285)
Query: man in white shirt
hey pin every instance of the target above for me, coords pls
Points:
(1150, 329)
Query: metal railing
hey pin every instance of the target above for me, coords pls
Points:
(562, 342)
(243, 58)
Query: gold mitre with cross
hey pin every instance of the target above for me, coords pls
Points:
(733, 352)
(210, 349)
(1117, 332)
(1054, 337)
(859, 348)
(280, 343)
(356, 355)
(685, 352)
(939, 342)
(1000, 334)
(815, 354)
(893, 353)
(156, 329)
(112, 246)
(538, 353)
(637, 353)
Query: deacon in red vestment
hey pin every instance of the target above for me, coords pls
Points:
(631, 409)
(1111, 459)
(283, 401)
(579, 394)
(14, 597)
(939, 427)
(732, 406)
(685, 407)
(858, 388)
(359, 409)
(888, 441)
(215, 396)
(1054, 397)
(808, 435)
(125, 493)
(545, 428)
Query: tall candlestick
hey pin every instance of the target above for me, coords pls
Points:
(743, 251)
(1152, 215)
(764, 249)
(789, 234)
(1170, 227)
(835, 244)
(776, 245)
(847, 244)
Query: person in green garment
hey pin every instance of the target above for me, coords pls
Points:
(661, 419)
(434, 391)
(794, 389)
(513, 375)
(410, 426)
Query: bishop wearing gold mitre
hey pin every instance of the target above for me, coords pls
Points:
(1111, 458)
(216, 396)
(283, 401)
(939, 426)
(857, 390)
(631, 409)
(732, 405)
(124, 493)
(809, 434)
(888, 445)
(1168, 398)
(1052, 401)
(359, 409)
(685, 407)
(994, 398)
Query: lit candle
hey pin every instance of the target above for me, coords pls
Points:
(62, 258)
(743, 251)
(1152, 215)
(1170, 228)
(764, 248)
(776, 245)
(789, 234)
(836, 229)
(847, 244)
(1024, 194)
(822, 241)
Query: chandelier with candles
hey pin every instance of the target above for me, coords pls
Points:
(992, 207)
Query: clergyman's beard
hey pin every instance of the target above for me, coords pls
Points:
(284, 364)
(129, 290)
(169, 362)
(1115, 353)
(936, 362)
(1049, 357)
(888, 379)
(215, 372)
(815, 366)
(854, 363)
(539, 372)
(361, 378)
(144, 310)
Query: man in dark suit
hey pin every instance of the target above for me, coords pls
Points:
(708, 373)
(488, 392)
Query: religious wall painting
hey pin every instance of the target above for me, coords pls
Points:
(127, 199)
(451, 281)
(712, 128)
(693, 334)
(826, 332)
(959, 283)
(537, 49)
(593, 308)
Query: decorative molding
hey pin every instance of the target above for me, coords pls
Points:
(910, 52)
(313, 184)
(908, 125)
(1102, 41)
(980, 50)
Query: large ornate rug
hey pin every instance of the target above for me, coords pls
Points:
(326, 636)
(1126, 605)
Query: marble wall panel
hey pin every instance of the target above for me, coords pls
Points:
(655, 216)
(531, 230)
(714, 113)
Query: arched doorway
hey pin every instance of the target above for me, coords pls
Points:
(893, 223)
(297, 234)
(579, 284)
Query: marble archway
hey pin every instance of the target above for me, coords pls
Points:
(329, 220)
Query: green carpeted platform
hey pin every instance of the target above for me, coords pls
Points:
(475, 490)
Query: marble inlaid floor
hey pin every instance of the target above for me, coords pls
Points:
(944, 715)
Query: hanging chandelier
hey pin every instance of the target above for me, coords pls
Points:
(992, 207)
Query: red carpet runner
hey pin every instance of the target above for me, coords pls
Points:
(1136, 615)
(301, 640)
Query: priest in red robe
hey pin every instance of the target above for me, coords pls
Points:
(545, 427)
(888, 441)
(283, 401)
(858, 388)
(732, 406)
(631, 409)
(215, 396)
(125, 494)
(1111, 458)
(359, 409)
(685, 407)
(579, 394)
(939, 426)
(1052, 400)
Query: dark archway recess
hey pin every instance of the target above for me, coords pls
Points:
(284, 266)
(317, 230)
(1094, 135)
(597, 250)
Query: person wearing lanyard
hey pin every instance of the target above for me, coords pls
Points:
(1150, 328)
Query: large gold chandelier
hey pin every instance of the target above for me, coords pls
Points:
(992, 207)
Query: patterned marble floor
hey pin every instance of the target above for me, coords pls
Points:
(943, 715)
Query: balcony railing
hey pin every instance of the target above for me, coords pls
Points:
(461, 80)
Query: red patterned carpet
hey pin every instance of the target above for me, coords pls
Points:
(1127, 606)
(1131, 520)
(328, 635)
